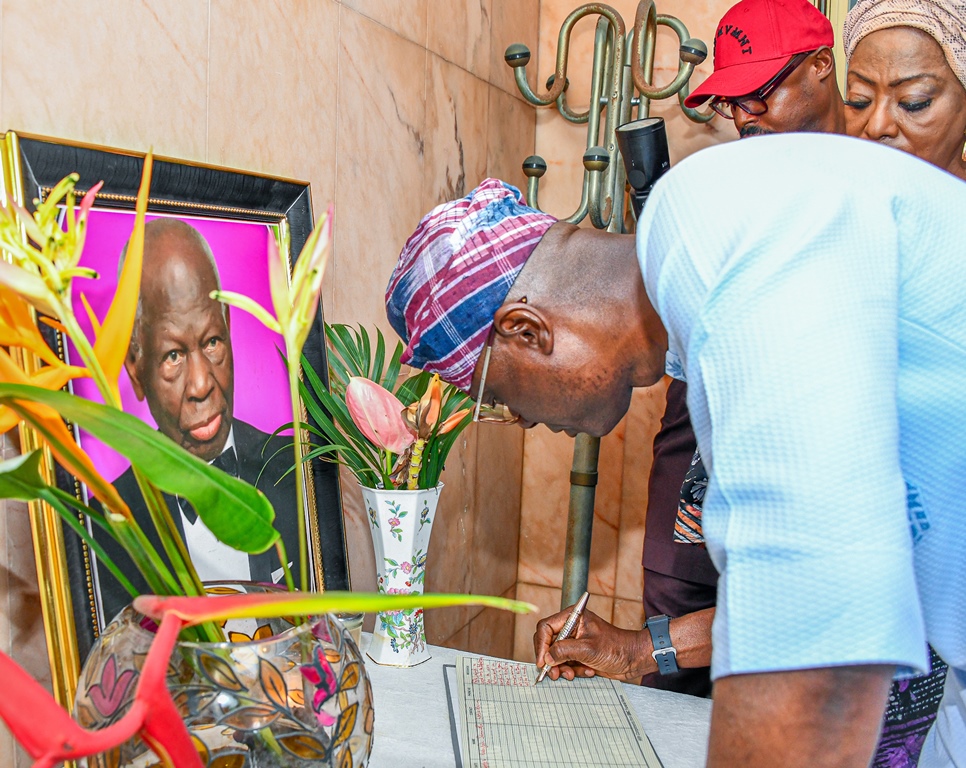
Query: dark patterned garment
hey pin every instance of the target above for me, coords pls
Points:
(687, 527)
(910, 713)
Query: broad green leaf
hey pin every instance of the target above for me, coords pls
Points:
(237, 513)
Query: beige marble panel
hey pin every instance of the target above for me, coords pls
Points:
(643, 421)
(457, 104)
(136, 73)
(405, 18)
(459, 31)
(547, 458)
(273, 90)
(628, 614)
(499, 479)
(607, 513)
(561, 144)
(381, 146)
(492, 632)
(510, 137)
(452, 563)
(362, 560)
(512, 21)
(547, 600)
(460, 639)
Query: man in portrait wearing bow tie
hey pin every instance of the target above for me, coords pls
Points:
(180, 362)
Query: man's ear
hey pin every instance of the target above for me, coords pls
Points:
(130, 365)
(824, 63)
(526, 325)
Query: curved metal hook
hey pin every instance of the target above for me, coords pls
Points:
(698, 55)
(563, 50)
(645, 34)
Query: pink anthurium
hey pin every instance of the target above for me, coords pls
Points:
(376, 412)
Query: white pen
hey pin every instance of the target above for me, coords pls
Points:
(567, 629)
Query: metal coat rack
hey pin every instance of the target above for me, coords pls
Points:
(621, 81)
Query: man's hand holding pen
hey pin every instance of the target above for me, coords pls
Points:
(594, 647)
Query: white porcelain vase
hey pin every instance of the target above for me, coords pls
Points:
(400, 522)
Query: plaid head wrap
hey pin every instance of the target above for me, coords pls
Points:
(944, 20)
(455, 271)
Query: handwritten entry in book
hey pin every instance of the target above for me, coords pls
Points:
(508, 722)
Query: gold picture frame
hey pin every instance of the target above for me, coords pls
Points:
(214, 200)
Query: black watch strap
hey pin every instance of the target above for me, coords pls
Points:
(664, 653)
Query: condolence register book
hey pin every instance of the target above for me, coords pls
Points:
(502, 720)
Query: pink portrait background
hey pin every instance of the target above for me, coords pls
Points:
(241, 253)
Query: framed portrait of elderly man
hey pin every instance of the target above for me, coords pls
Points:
(211, 378)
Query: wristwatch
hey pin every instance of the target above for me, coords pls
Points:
(664, 653)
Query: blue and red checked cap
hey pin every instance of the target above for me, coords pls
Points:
(455, 271)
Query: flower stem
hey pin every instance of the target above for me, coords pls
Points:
(292, 354)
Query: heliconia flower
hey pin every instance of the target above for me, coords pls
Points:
(376, 412)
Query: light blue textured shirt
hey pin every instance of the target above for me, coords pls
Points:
(814, 289)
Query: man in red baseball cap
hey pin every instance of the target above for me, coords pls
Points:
(774, 71)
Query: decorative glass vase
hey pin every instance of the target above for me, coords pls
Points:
(400, 522)
(278, 695)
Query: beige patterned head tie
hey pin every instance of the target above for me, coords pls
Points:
(944, 21)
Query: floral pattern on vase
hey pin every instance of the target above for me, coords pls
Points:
(400, 522)
(299, 697)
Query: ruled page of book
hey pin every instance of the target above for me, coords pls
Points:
(508, 722)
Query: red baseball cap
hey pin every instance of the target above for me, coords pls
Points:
(755, 39)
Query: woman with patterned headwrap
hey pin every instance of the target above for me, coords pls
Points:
(906, 87)
(906, 83)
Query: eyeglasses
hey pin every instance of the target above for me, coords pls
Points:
(498, 413)
(754, 103)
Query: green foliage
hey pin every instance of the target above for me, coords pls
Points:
(351, 352)
(236, 512)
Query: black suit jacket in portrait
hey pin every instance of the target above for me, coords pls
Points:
(252, 448)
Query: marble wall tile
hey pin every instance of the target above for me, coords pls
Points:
(492, 631)
(362, 560)
(512, 21)
(459, 31)
(510, 137)
(283, 67)
(137, 73)
(607, 513)
(643, 421)
(454, 562)
(460, 639)
(628, 614)
(381, 149)
(457, 104)
(496, 504)
(407, 19)
(547, 600)
(543, 509)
